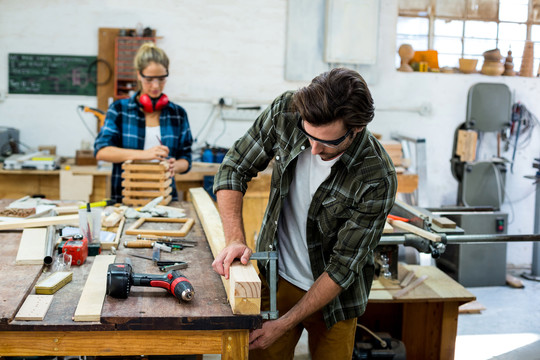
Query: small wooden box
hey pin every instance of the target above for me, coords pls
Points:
(85, 157)
(145, 181)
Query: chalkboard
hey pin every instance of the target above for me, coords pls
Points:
(52, 74)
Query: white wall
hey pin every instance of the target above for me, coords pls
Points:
(236, 49)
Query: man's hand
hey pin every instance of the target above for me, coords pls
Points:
(267, 335)
(235, 250)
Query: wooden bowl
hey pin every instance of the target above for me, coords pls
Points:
(467, 66)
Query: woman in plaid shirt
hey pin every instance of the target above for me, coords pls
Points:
(146, 126)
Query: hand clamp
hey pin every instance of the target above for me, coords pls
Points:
(273, 277)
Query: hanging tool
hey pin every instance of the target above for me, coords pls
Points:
(120, 278)
(100, 115)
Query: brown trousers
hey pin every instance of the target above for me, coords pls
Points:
(334, 343)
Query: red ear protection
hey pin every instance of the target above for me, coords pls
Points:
(153, 104)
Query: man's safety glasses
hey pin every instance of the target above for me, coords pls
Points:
(329, 143)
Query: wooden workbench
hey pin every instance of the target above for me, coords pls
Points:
(19, 183)
(425, 319)
(150, 321)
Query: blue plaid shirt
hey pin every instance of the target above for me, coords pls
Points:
(125, 127)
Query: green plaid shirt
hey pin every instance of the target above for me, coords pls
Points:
(348, 211)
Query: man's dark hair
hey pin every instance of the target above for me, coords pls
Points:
(336, 94)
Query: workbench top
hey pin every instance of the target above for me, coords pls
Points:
(144, 309)
(437, 287)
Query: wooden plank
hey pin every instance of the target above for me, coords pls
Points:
(407, 183)
(75, 187)
(444, 222)
(113, 218)
(32, 246)
(388, 229)
(116, 343)
(146, 193)
(244, 280)
(143, 201)
(415, 230)
(472, 307)
(146, 184)
(145, 166)
(93, 294)
(410, 287)
(54, 282)
(35, 307)
(157, 176)
(466, 145)
(41, 222)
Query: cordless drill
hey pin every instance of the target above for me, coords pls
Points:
(120, 278)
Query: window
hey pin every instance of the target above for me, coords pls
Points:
(467, 28)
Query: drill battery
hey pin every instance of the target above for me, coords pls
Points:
(77, 247)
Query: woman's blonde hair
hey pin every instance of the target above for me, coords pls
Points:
(147, 53)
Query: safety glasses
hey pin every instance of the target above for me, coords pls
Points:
(149, 79)
(329, 143)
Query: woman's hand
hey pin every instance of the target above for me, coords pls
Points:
(159, 152)
(172, 169)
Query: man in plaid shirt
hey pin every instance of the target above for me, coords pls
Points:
(332, 187)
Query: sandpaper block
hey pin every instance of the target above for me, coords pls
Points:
(53, 283)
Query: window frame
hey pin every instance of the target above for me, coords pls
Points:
(429, 13)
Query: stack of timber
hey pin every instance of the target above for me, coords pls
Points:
(145, 181)
(393, 148)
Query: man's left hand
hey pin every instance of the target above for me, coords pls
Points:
(267, 335)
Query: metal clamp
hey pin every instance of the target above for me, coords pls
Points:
(272, 257)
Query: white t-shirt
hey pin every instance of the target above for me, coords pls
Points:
(151, 138)
(294, 263)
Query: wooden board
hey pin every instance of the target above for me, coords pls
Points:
(146, 193)
(145, 166)
(143, 201)
(93, 294)
(54, 282)
(444, 222)
(244, 280)
(388, 229)
(32, 246)
(35, 307)
(415, 230)
(75, 187)
(466, 145)
(41, 222)
(472, 307)
(119, 230)
(158, 176)
(135, 228)
(146, 184)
